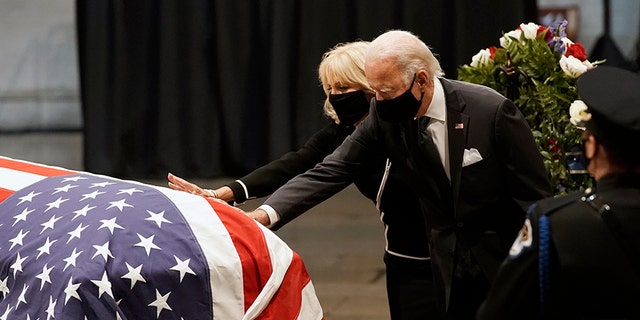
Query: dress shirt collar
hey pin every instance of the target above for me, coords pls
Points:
(437, 108)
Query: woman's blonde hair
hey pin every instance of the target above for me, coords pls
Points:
(343, 64)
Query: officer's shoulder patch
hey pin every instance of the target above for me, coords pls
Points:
(523, 241)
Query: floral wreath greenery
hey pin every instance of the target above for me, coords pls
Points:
(537, 67)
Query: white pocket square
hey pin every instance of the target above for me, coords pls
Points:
(470, 157)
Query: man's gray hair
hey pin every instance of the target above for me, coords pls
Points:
(410, 53)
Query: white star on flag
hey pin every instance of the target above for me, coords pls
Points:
(182, 267)
(76, 233)
(71, 260)
(158, 218)
(55, 204)
(160, 303)
(28, 197)
(147, 243)
(134, 274)
(22, 298)
(102, 250)
(64, 189)
(82, 212)
(22, 216)
(104, 285)
(44, 275)
(110, 224)
(18, 239)
(91, 195)
(120, 204)
(71, 290)
(45, 247)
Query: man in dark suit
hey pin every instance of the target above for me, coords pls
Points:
(578, 256)
(474, 165)
(410, 289)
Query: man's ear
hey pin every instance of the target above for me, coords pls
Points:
(590, 147)
(422, 78)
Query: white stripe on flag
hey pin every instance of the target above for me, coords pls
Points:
(15, 180)
(310, 308)
(281, 256)
(218, 248)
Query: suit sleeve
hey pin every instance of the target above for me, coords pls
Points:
(526, 176)
(266, 179)
(337, 171)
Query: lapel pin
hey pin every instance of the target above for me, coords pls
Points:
(459, 125)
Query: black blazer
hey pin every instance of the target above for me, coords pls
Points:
(483, 207)
(265, 180)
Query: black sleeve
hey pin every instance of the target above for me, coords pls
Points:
(266, 179)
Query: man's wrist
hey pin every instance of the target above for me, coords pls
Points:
(273, 216)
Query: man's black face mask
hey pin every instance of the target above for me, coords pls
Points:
(402, 107)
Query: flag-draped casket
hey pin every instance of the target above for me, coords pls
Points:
(76, 245)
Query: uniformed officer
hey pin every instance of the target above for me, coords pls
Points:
(578, 256)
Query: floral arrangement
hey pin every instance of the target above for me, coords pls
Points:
(536, 67)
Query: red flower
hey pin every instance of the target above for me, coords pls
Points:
(577, 51)
(492, 53)
(554, 144)
(548, 35)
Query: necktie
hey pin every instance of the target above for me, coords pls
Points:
(430, 157)
(425, 140)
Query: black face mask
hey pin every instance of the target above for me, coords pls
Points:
(350, 107)
(402, 107)
(583, 158)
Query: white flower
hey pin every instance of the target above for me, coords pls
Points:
(482, 58)
(506, 39)
(530, 30)
(579, 113)
(566, 41)
(573, 67)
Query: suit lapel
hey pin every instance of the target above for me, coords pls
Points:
(457, 124)
(457, 130)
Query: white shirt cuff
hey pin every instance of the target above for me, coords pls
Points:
(273, 215)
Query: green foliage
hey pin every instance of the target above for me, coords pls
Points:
(543, 92)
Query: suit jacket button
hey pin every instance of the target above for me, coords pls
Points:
(460, 224)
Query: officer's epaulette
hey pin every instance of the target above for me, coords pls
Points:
(549, 206)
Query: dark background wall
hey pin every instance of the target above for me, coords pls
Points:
(207, 88)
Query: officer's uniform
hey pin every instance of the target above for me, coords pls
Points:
(578, 256)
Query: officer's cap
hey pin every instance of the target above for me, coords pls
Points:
(612, 96)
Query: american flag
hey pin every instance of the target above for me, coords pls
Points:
(76, 245)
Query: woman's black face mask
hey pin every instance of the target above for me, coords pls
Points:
(350, 107)
(402, 107)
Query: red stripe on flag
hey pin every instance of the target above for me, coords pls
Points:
(4, 193)
(287, 302)
(251, 247)
(33, 168)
